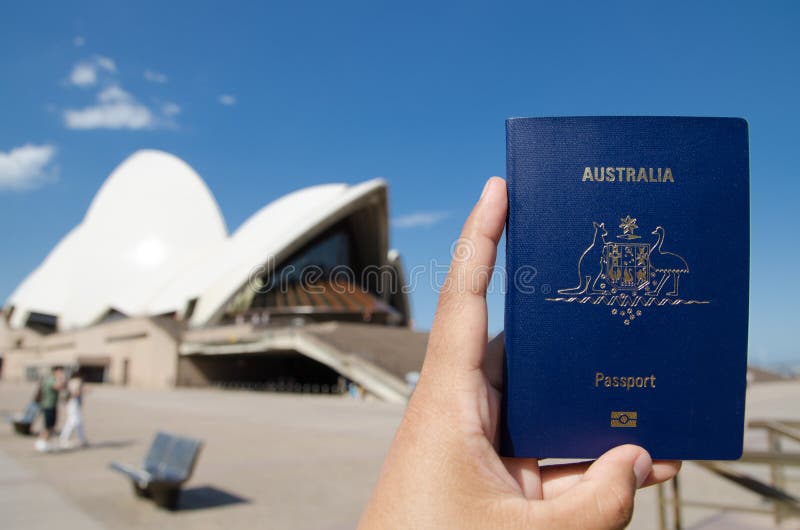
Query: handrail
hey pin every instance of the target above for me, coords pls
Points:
(753, 484)
(795, 424)
(784, 504)
(789, 429)
(770, 457)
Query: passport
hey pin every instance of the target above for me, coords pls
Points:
(626, 313)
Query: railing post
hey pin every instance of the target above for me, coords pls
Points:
(776, 473)
(676, 503)
(662, 507)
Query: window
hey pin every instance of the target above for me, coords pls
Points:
(316, 260)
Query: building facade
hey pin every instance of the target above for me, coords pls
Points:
(150, 290)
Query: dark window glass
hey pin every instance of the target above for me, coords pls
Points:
(319, 258)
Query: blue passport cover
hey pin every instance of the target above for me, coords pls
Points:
(627, 300)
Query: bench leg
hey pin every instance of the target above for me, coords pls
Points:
(141, 492)
(23, 428)
(166, 496)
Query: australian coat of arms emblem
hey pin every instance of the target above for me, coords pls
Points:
(626, 273)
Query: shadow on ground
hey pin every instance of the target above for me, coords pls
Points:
(109, 444)
(204, 497)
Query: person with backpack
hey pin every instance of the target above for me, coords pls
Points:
(51, 385)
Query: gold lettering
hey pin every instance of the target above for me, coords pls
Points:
(626, 174)
(627, 382)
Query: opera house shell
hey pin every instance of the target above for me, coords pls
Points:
(153, 254)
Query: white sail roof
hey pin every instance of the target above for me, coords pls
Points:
(153, 239)
(271, 234)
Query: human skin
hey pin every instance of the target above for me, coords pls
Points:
(443, 469)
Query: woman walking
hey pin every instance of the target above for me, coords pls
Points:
(74, 422)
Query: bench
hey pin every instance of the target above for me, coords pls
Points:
(23, 421)
(168, 464)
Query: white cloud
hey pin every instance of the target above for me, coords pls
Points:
(84, 73)
(26, 167)
(227, 99)
(116, 109)
(78, 41)
(418, 219)
(105, 63)
(171, 109)
(112, 94)
(155, 77)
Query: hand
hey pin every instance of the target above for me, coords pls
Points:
(443, 470)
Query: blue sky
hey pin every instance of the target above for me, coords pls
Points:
(264, 100)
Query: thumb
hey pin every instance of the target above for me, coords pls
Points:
(458, 335)
(603, 499)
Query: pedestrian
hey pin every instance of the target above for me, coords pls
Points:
(74, 421)
(51, 385)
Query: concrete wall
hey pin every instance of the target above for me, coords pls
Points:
(190, 374)
(149, 345)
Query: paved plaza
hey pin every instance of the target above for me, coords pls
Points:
(269, 461)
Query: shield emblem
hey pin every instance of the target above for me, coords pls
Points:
(626, 266)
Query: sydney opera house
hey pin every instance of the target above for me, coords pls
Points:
(151, 290)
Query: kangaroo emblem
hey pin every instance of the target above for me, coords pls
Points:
(588, 271)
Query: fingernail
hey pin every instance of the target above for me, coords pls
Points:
(485, 188)
(642, 468)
